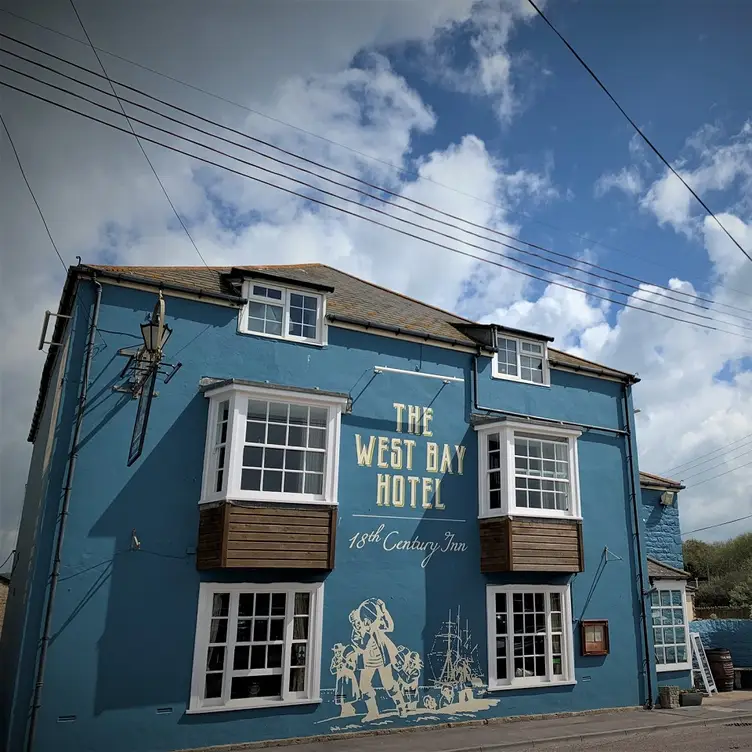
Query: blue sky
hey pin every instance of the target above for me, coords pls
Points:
(478, 96)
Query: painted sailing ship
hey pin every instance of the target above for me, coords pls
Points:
(453, 660)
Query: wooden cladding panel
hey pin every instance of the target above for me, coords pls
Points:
(494, 545)
(530, 545)
(232, 536)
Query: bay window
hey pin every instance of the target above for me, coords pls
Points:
(528, 470)
(257, 645)
(266, 444)
(670, 631)
(529, 636)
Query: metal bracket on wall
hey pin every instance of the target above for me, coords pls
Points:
(137, 368)
(608, 553)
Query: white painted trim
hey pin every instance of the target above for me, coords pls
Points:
(519, 340)
(201, 642)
(321, 321)
(278, 395)
(673, 585)
(506, 430)
(239, 394)
(567, 655)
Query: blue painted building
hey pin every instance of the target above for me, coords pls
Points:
(671, 598)
(352, 512)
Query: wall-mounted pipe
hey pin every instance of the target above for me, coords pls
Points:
(71, 470)
(641, 592)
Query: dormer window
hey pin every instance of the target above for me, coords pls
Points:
(283, 312)
(521, 360)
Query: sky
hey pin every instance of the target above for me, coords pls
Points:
(474, 108)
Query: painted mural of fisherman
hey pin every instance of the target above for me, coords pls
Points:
(371, 624)
(466, 681)
(408, 668)
(347, 692)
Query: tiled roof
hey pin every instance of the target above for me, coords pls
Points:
(352, 298)
(659, 571)
(649, 479)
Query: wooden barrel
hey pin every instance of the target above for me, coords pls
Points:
(722, 668)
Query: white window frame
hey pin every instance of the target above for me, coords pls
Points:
(681, 586)
(567, 636)
(497, 374)
(312, 692)
(507, 431)
(238, 396)
(285, 290)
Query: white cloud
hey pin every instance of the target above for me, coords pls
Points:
(101, 200)
(718, 168)
(492, 69)
(627, 180)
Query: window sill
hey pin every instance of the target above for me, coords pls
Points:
(661, 667)
(537, 515)
(254, 706)
(266, 501)
(538, 685)
(292, 340)
(501, 377)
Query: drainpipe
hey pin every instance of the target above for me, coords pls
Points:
(627, 433)
(640, 568)
(71, 470)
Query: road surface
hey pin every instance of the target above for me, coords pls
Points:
(716, 738)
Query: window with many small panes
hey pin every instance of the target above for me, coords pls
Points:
(528, 470)
(272, 445)
(521, 360)
(275, 311)
(530, 636)
(670, 633)
(257, 645)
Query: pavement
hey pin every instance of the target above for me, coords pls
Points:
(726, 708)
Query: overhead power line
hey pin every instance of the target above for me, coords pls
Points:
(693, 461)
(353, 213)
(138, 141)
(668, 293)
(724, 460)
(639, 131)
(706, 480)
(396, 168)
(357, 190)
(31, 193)
(718, 524)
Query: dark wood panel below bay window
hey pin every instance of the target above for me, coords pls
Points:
(235, 536)
(531, 544)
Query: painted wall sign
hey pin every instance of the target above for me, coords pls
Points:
(446, 682)
(404, 489)
(393, 540)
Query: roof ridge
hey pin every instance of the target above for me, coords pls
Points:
(393, 292)
(668, 566)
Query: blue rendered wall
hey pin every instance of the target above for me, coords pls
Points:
(124, 621)
(733, 634)
(662, 533)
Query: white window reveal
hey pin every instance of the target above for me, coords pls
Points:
(274, 311)
(521, 360)
(271, 445)
(529, 636)
(528, 470)
(670, 633)
(257, 646)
